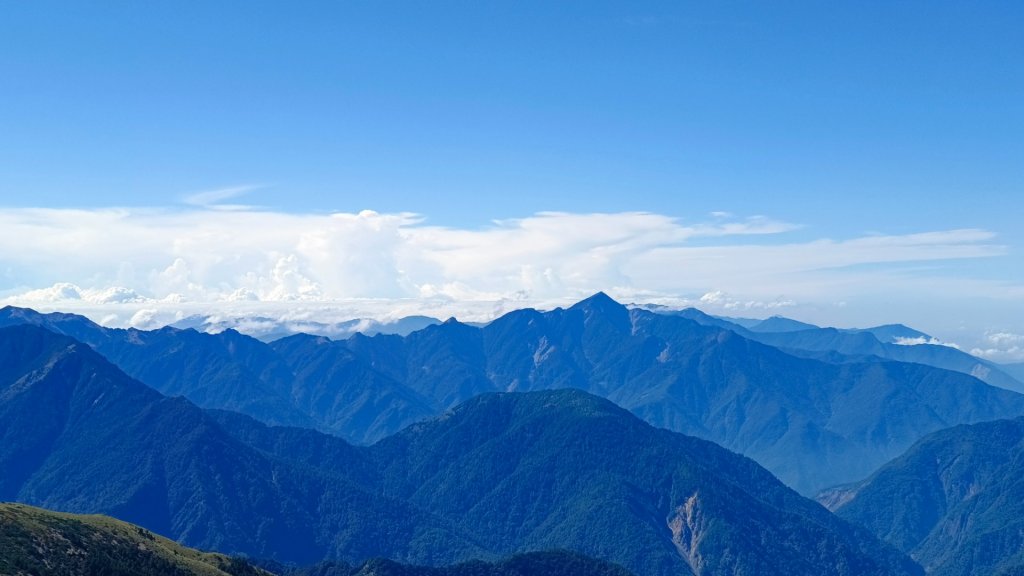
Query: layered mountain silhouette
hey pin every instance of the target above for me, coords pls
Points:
(1015, 370)
(863, 345)
(270, 329)
(814, 422)
(500, 474)
(955, 500)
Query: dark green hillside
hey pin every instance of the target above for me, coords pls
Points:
(554, 563)
(567, 469)
(955, 501)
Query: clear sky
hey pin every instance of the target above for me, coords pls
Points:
(871, 152)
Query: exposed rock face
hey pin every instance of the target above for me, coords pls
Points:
(687, 526)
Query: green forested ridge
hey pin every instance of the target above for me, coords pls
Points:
(550, 563)
(955, 500)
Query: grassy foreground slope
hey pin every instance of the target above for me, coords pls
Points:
(38, 541)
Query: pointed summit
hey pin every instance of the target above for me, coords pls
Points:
(599, 301)
(602, 306)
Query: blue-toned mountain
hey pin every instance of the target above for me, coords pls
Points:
(893, 342)
(231, 371)
(501, 474)
(78, 435)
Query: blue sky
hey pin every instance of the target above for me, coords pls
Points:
(835, 120)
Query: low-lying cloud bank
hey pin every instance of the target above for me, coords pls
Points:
(141, 266)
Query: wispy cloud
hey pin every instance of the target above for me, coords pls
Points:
(215, 199)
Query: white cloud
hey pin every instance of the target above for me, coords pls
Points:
(59, 292)
(1001, 347)
(161, 263)
(68, 292)
(719, 300)
(145, 319)
(904, 341)
(214, 199)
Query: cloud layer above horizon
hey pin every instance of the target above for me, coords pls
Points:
(201, 256)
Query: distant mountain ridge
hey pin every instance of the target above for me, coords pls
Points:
(1015, 370)
(889, 342)
(269, 329)
(562, 469)
(814, 422)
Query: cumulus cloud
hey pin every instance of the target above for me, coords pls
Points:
(1001, 347)
(217, 256)
(68, 292)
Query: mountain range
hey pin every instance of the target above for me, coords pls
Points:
(814, 416)
(269, 329)
(499, 474)
(891, 342)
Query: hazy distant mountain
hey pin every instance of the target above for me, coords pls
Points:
(37, 541)
(269, 329)
(955, 500)
(500, 474)
(1015, 370)
(865, 345)
(893, 333)
(888, 333)
(780, 324)
(344, 393)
